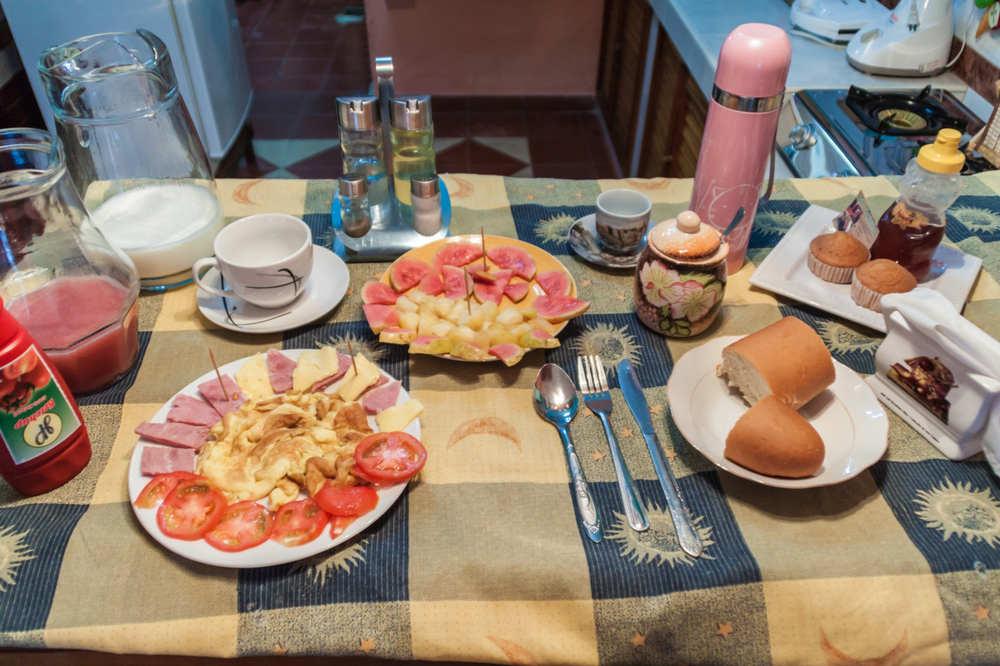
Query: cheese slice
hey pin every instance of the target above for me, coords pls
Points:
(314, 366)
(354, 383)
(398, 417)
(253, 380)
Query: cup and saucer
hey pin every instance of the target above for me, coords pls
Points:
(615, 235)
(267, 276)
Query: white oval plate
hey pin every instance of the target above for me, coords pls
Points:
(324, 289)
(269, 553)
(848, 416)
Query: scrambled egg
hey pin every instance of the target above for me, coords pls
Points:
(277, 446)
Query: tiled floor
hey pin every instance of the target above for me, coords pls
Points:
(301, 58)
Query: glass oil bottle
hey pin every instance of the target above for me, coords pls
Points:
(412, 145)
(361, 144)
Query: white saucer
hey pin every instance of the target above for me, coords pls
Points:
(584, 241)
(848, 416)
(323, 291)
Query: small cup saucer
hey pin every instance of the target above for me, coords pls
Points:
(323, 291)
(584, 241)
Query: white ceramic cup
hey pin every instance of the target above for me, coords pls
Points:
(264, 259)
(621, 219)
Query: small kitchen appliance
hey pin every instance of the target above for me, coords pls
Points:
(834, 21)
(914, 39)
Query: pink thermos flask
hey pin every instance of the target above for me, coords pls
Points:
(740, 130)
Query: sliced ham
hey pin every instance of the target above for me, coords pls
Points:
(181, 435)
(343, 363)
(192, 411)
(382, 381)
(163, 460)
(381, 398)
(222, 402)
(279, 371)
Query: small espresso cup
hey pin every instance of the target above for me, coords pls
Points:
(621, 220)
(264, 259)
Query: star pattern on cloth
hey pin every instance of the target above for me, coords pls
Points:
(578, 194)
(278, 650)
(725, 628)
(550, 186)
(529, 197)
(378, 276)
(656, 409)
(982, 613)
(350, 292)
(586, 283)
(670, 453)
(638, 640)
(598, 456)
(627, 432)
(620, 297)
(586, 412)
(367, 645)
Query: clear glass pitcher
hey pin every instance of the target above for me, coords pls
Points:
(133, 151)
(73, 291)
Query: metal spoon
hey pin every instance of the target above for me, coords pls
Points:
(556, 402)
(732, 225)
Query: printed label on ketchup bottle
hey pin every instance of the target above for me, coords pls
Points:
(34, 412)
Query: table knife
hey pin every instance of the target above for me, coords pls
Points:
(687, 536)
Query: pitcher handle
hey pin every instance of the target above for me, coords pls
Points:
(770, 178)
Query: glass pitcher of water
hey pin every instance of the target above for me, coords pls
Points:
(75, 293)
(133, 151)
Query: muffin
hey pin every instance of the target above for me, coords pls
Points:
(875, 279)
(834, 257)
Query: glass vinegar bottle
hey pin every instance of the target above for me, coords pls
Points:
(412, 145)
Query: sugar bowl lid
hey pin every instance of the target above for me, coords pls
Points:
(685, 238)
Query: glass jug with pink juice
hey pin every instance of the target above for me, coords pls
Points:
(75, 294)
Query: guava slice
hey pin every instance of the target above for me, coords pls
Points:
(407, 273)
(455, 279)
(397, 336)
(556, 309)
(432, 285)
(455, 254)
(377, 293)
(514, 258)
(380, 317)
(516, 291)
(426, 344)
(555, 283)
(538, 339)
(509, 353)
(492, 292)
(468, 352)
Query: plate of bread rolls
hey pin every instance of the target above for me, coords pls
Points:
(776, 408)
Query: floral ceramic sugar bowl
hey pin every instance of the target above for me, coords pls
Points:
(681, 277)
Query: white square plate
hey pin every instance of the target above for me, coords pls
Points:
(786, 272)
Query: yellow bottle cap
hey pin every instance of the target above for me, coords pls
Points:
(943, 155)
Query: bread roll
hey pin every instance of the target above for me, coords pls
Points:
(774, 439)
(787, 359)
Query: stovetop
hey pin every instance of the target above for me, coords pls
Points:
(865, 133)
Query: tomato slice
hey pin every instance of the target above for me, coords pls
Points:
(340, 523)
(346, 501)
(390, 456)
(191, 509)
(243, 525)
(157, 490)
(299, 523)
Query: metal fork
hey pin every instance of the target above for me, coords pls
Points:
(594, 385)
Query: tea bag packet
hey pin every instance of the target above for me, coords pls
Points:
(941, 374)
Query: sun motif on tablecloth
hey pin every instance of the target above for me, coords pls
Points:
(958, 509)
(843, 339)
(658, 544)
(767, 222)
(369, 348)
(614, 344)
(976, 219)
(555, 229)
(13, 551)
(345, 557)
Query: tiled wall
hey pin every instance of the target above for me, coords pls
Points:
(17, 103)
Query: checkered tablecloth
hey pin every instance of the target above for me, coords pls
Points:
(481, 559)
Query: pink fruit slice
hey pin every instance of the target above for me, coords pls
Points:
(407, 273)
(479, 275)
(538, 339)
(516, 291)
(455, 254)
(514, 258)
(430, 345)
(397, 336)
(377, 293)
(432, 285)
(509, 353)
(555, 309)
(555, 283)
(454, 282)
(380, 317)
(492, 292)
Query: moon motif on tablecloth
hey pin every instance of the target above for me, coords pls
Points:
(835, 657)
(514, 652)
(960, 510)
(241, 194)
(485, 425)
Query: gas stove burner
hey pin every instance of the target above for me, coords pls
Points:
(895, 114)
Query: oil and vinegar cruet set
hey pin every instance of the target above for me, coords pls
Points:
(390, 199)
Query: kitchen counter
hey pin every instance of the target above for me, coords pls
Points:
(698, 28)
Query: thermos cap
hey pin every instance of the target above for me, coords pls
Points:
(424, 185)
(411, 113)
(358, 113)
(754, 61)
(353, 185)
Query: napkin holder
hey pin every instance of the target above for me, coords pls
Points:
(940, 374)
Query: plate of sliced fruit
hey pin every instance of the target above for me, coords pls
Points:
(473, 298)
(275, 458)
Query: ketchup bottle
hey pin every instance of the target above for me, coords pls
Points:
(44, 440)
